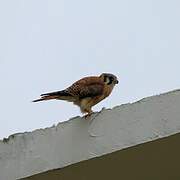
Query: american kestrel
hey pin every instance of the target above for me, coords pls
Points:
(85, 92)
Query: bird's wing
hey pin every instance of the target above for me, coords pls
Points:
(91, 91)
(87, 87)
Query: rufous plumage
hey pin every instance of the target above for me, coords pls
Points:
(85, 92)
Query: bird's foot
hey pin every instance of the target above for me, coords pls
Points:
(87, 116)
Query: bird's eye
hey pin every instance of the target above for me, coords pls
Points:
(111, 79)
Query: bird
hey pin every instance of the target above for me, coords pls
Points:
(85, 92)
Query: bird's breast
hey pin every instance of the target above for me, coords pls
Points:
(107, 91)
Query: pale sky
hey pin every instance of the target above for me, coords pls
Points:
(46, 45)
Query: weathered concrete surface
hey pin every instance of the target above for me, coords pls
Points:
(78, 139)
(154, 160)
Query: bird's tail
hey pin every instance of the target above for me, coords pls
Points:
(62, 95)
(44, 98)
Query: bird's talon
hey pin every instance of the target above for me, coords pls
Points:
(87, 115)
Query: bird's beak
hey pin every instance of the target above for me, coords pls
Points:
(117, 82)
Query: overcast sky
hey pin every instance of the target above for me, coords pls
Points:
(46, 45)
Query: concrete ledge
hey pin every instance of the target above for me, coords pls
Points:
(25, 154)
(155, 160)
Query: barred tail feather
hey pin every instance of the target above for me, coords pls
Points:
(44, 98)
(61, 95)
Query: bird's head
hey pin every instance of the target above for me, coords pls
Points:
(109, 79)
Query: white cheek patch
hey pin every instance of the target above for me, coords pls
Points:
(108, 81)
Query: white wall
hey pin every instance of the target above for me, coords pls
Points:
(78, 139)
